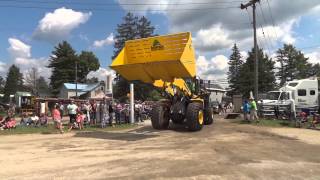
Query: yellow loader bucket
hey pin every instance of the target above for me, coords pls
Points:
(160, 57)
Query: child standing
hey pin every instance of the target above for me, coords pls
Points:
(80, 119)
(56, 116)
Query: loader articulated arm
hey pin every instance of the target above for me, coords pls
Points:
(172, 87)
(164, 61)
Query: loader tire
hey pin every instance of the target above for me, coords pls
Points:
(177, 117)
(194, 117)
(160, 116)
(209, 117)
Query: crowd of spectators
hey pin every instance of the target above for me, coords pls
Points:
(81, 114)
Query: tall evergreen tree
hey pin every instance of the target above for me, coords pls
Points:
(144, 28)
(13, 82)
(125, 31)
(87, 62)
(131, 28)
(2, 84)
(235, 64)
(63, 62)
(293, 64)
(266, 81)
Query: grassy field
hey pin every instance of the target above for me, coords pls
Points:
(50, 129)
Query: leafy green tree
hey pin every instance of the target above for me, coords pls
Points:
(131, 28)
(42, 85)
(14, 82)
(266, 81)
(235, 64)
(63, 62)
(293, 64)
(30, 80)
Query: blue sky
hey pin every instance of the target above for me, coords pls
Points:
(29, 34)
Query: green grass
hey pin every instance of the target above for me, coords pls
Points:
(268, 123)
(3, 114)
(52, 130)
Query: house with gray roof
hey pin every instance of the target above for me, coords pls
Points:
(216, 91)
(85, 91)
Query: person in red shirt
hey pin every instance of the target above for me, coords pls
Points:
(8, 123)
(80, 119)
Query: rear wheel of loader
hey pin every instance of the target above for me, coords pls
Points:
(209, 117)
(195, 116)
(160, 116)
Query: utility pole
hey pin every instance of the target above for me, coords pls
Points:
(35, 82)
(245, 6)
(76, 80)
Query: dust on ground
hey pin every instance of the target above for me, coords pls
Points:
(224, 150)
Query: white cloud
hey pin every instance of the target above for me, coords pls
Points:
(57, 25)
(214, 68)
(21, 56)
(18, 48)
(3, 68)
(104, 42)
(212, 39)
(314, 57)
(244, 55)
(101, 74)
(215, 29)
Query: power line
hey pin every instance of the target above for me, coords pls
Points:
(108, 9)
(256, 63)
(260, 44)
(265, 21)
(267, 39)
(116, 4)
(267, 44)
(272, 20)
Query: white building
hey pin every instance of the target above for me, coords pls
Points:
(84, 91)
(216, 91)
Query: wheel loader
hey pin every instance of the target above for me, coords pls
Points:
(168, 63)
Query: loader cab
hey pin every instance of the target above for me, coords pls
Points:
(194, 84)
(198, 84)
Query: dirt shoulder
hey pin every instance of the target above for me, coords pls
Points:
(224, 150)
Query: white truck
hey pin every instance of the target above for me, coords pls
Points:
(294, 96)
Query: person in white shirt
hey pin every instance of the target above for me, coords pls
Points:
(72, 111)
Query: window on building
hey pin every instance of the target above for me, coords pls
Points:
(312, 92)
(302, 92)
(293, 84)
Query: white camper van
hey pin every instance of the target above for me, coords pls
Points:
(304, 92)
(299, 93)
